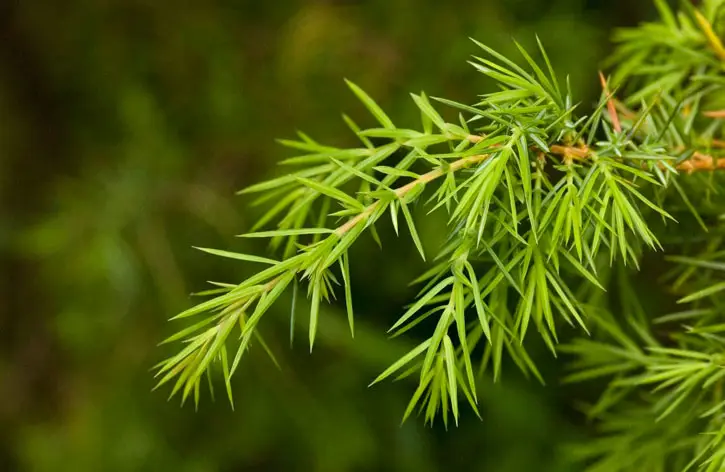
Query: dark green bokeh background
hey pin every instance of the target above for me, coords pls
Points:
(126, 127)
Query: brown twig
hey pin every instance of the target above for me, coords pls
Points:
(715, 114)
(701, 162)
(698, 162)
(402, 191)
(571, 153)
(610, 104)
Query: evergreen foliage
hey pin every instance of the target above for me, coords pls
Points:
(552, 213)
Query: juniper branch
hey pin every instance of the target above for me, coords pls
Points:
(546, 210)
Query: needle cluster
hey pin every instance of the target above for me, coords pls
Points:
(551, 211)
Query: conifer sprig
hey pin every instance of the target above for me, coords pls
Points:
(548, 208)
(663, 406)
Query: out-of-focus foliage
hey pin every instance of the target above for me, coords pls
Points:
(126, 127)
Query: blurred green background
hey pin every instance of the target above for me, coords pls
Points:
(125, 129)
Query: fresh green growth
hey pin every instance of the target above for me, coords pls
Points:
(551, 212)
